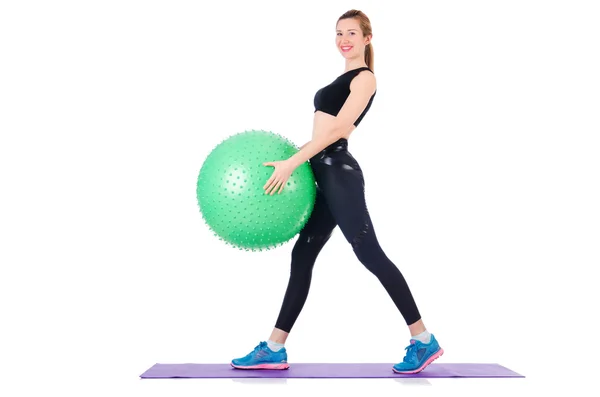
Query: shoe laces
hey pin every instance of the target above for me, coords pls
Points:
(411, 352)
(260, 346)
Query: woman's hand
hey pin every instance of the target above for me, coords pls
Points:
(282, 172)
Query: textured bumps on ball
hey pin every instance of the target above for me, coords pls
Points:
(233, 202)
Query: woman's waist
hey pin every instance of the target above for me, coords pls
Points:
(341, 145)
(335, 149)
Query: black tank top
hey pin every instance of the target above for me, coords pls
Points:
(331, 98)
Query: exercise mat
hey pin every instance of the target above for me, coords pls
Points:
(325, 370)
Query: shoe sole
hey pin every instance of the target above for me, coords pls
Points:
(281, 366)
(431, 359)
(262, 366)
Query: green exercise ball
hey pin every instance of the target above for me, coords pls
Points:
(232, 199)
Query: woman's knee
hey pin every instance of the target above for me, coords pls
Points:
(369, 252)
(307, 248)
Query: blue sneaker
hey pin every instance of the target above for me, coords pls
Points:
(262, 358)
(418, 356)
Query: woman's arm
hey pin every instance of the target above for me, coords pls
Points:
(312, 147)
(362, 88)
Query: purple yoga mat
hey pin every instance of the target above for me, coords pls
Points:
(322, 370)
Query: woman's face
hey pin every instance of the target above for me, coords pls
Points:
(349, 38)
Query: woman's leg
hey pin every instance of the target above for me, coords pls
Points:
(343, 185)
(311, 240)
(309, 244)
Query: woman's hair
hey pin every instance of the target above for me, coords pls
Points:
(365, 26)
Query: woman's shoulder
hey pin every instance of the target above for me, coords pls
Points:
(364, 78)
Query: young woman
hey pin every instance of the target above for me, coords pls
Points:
(340, 201)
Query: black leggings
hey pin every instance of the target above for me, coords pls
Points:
(340, 202)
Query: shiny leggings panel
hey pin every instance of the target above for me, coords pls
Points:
(340, 202)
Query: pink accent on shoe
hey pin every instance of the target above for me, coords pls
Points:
(425, 364)
(262, 366)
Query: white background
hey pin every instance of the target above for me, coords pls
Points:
(480, 155)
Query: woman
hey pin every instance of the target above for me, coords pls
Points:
(340, 201)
